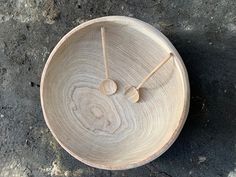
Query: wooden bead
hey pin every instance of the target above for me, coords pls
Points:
(108, 87)
(132, 94)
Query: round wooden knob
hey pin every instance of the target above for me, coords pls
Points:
(110, 132)
(108, 87)
(132, 94)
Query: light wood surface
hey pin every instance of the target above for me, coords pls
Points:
(132, 93)
(107, 86)
(104, 52)
(110, 132)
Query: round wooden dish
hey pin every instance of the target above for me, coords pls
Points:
(110, 132)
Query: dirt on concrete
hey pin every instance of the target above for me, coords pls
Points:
(204, 33)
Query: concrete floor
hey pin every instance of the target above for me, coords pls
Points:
(204, 33)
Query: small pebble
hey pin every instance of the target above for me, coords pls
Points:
(67, 173)
(201, 159)
(1, 115)
(131, 15)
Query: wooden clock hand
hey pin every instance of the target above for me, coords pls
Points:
(107, 86)
(132, 93)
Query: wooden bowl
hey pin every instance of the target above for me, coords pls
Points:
(110, 132)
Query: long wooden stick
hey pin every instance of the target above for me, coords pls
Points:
(154, 70)
(104, 52)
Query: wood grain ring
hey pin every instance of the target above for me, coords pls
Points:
(110, 132)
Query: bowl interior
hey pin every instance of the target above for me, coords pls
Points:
(109, 131)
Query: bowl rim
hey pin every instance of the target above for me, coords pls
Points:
(152, 32)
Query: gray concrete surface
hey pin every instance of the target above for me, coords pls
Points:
(203, 31)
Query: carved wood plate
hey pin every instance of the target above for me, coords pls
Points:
(110, 132)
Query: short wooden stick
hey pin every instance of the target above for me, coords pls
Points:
(154, 70)
(104, 52)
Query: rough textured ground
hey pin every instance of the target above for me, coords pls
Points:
(203, 31)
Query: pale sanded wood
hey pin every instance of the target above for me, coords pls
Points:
(132, 93)
(110, 132)
(104, 52)
(107, 86)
